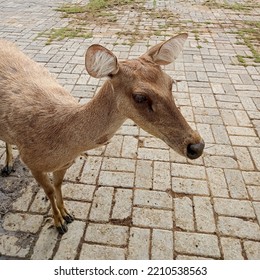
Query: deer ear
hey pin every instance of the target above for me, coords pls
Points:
(100, 62)
(166, 52)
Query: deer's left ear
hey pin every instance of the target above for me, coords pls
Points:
(166, 52)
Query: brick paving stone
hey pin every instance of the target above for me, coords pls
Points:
(23, 202)
(40, 203)
(236, 130)
(99, 252)
(206, 132)
(139, 244)
(128, 130)
(78, 209)
(91, 170)
(228, 117)
(73, 172)
(107, 234)
(256, 206)
(161, 176)
(255, 153)
(243, 158)
(183, 211)
(237, 227)
(252, 250)
(9, 246)
(46, 242)
(122, 207)
(248, 141)
(70, 242)
(254, 192)
(220, 161)
(154, 218)
(78, 191)
(118, 164)
(129, 147)
(22, 222)
(242, 118)
(189, 186)
(116, 179)
(234, 208)
(251, 178)
(188, 171)
(204, 214)
(209, 100)
(197, 244)
(162, 245)
(113, 149)
(153, 154)
(220, 134)
(101, 205)
(153, 199)
(189, 257)
(220, 150)
(217, 182)
(151, 142)
(196, 100)
(175, 157)
(144, 173)
(236, 184)
(232, 248)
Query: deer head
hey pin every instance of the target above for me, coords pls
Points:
(143, 92)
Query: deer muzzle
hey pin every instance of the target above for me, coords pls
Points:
(195, 150)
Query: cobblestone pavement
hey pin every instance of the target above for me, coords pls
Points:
(135, 198)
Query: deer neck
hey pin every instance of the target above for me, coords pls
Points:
(99, 119)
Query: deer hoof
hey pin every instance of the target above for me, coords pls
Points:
(62, 229)
(68, 218)
(7, 170)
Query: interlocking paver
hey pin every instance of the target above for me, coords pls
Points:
(232, 248)
(238, 227)
(252, 250)
(204, 214)
(183, 211)
(9, 245)
(134, 198)
(139, 244)
(102, 204)
(107, 234)
(162, 245)
(122, 207)
(22, 222)
(99, 252)
(197, 244)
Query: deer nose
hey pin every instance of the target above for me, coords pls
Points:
(195, 150)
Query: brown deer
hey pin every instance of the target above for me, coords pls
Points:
(50, 128)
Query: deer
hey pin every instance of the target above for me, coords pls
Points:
(51, 128)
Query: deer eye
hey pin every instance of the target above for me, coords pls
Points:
(142, 99)
(139, 98)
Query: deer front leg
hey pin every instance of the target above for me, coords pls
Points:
(57, 180)
(44, 181)
(8, 169)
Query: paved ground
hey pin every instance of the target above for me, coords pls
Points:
(134, 198)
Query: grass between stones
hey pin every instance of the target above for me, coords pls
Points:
(82, 20)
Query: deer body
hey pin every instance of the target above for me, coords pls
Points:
(50, 128)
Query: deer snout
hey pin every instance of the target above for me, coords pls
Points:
(195, 150)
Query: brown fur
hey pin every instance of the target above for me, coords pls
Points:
(50, 128)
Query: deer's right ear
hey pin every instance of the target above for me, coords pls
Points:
(100, 62)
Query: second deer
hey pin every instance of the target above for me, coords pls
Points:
(50, 128)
